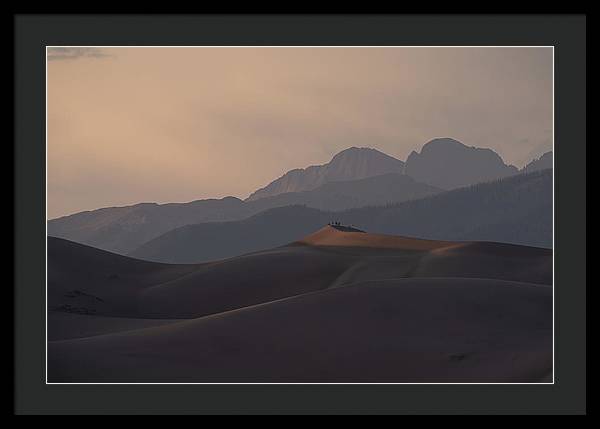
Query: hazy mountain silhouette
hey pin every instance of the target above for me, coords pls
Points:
(376, 190)
(376, 179)
(543, 162)
(447, 164)
(350, 164)
(536, 152)
(123, 229)
(218, 240)
(513, 210)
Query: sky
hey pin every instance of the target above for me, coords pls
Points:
(131, 125)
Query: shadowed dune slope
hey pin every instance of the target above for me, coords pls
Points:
(332, 258)
(244, 281)
(339, 305)
(88, 281)
(63, 325)
(410, 330)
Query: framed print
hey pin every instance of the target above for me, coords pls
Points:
(290, 221)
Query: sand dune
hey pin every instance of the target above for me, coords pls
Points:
(488, 260)
(386, 257)
(332, 236)
(63, 325)
(337, 305)
(113, 285)
(85, 280)
(414, 330)
(244, 281)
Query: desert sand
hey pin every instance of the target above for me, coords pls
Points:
(335, 306)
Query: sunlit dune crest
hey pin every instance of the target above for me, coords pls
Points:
(332, 236)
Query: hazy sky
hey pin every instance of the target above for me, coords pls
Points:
(129, 125)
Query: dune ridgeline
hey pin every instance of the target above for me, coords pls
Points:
(337, 305)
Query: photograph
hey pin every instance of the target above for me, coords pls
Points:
(300, 214)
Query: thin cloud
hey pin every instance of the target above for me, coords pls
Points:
(63, 53)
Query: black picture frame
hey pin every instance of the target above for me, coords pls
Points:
(567, 33)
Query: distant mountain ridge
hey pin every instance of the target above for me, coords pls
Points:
(515, 210)
(350, 164)
(123, 229)
(342, 195)
(355, 177)
(541, 163)
(448, 164)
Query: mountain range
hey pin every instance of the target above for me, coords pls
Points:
(515, 210)
(355, 177)
(350, 164)
(543, 162)
(123, 229)
(448, 164)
